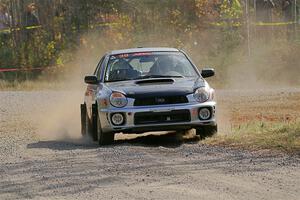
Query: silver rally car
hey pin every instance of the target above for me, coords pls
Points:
(147, 89)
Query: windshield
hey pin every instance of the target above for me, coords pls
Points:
(148, 65)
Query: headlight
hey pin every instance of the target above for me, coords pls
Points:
(118, 100)
(201, 94)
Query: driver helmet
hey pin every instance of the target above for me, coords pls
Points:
(165, 63)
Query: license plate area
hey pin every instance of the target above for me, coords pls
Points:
(151, 117)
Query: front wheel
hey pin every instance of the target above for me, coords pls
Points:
(103, 138)
(206, 131)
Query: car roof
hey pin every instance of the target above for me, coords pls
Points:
(143, 49)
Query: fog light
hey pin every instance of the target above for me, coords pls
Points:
(117, 119)
(204, 113)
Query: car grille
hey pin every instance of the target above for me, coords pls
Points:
(160, 100)
(143, 118)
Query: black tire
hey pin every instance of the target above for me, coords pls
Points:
(86, 126)
(206, 131)
(103, 139)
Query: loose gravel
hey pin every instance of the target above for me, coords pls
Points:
(55, 163)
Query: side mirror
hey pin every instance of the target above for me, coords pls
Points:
(91, 80)
(207, 72)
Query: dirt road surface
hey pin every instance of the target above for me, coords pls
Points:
(43, 157)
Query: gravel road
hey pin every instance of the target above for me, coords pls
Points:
(43, 157)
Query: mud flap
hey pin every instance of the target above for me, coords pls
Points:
(83, 119)
(94, 122)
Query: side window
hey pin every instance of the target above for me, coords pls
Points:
(99, 67)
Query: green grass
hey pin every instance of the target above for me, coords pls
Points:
(275, 136)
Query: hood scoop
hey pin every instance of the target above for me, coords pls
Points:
(155, 81)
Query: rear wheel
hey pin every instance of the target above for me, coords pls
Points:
(206, 131)
(103, 138)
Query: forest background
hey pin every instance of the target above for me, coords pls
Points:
(246, 41)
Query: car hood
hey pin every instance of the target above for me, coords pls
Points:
(157, 87)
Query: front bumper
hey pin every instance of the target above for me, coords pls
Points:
(130, 125)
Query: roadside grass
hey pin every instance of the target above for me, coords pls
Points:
(257, 135)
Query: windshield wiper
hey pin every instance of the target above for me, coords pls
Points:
(159, 76)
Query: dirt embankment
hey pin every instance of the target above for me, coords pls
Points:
(43, 157)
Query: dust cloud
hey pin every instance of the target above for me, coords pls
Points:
(61, 119)
(269, 66)
(62, 108)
